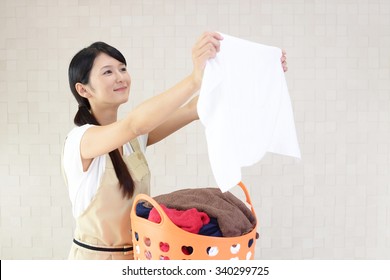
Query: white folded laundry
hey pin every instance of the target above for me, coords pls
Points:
(245, 107)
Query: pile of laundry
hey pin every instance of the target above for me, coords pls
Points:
(205, 211)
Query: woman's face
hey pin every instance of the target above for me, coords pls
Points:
(109, 82)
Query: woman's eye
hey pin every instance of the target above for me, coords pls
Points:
(124, 69)
(107, 72)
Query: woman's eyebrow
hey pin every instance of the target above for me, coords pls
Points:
(106, 66)
(110, 66)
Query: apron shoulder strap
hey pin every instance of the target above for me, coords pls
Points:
(135, 145)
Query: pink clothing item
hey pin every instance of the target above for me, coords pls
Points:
(190, 220)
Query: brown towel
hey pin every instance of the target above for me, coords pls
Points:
(234, 217)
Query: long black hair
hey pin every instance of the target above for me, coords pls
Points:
(79, 72)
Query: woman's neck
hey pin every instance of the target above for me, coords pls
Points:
(105, 116)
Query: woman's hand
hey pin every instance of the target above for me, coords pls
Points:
(205, 48)
(283, 60)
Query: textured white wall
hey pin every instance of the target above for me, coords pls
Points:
(334, 204)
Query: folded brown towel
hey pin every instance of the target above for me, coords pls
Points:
(234, 217)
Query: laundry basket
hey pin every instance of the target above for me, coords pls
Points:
(166, 241)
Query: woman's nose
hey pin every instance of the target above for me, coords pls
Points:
(119, 76)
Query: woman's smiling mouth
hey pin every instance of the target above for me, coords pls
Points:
(120, 89)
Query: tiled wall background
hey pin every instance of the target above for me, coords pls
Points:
(333, 204)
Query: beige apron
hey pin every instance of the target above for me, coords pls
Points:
(103, 231)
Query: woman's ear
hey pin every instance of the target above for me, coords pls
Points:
(82, 90)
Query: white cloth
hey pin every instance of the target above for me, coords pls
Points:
(83, 185)
(246, 109)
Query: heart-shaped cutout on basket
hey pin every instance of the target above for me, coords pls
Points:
(187, 250)
(164, 247)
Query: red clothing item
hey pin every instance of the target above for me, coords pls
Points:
(190, 220)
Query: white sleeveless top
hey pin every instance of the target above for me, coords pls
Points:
(83, 185)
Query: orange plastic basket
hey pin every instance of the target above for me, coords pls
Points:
(164, 240)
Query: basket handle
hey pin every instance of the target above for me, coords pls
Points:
(154, 203)
(248, 198)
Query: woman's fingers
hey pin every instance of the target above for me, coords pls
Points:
(206, 37)
(283, 60)
(209, 50)
(207, 45)
(283, 57)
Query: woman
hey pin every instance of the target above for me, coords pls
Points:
(103, 158)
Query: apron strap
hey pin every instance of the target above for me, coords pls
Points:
(102, 249)
(135, 145)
